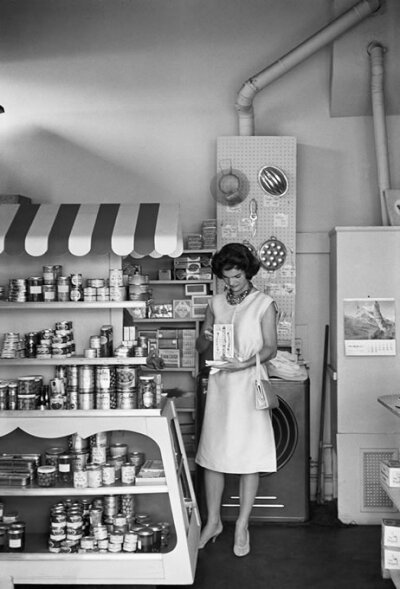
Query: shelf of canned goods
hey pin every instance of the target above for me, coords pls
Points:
(143, 560)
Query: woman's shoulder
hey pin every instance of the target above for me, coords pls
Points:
(264, 299)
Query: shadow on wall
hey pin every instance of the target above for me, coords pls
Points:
(50, 168)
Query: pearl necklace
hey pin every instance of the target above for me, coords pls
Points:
(237, 299)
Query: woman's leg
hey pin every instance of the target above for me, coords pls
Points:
(214, 485)
(248, 491)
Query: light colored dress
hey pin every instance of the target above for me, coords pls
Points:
(235, 437)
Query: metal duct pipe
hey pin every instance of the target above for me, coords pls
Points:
(337, 27)
(376, 52)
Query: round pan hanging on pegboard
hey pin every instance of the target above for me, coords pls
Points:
(272, 254)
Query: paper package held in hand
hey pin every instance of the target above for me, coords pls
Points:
(223, 341)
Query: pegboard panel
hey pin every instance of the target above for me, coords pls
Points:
(255, 216)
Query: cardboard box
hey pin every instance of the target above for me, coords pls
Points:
(390, 472)
(390, 558)
(182, 308)
(172, 358)
(391, 533)
(168, 333)
(195, 289)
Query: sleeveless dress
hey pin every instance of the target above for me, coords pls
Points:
(235, 437)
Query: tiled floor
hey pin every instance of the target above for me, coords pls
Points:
(318, 554)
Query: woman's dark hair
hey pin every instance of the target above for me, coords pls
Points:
(235, 255)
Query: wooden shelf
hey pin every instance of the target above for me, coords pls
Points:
(56, 306)
(36, 491)
(74, 360)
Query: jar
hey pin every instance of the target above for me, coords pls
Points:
(52, 455)
(94, 475)
(20, 526)
(10, 517)
(63, 288)
(95, 516)
(15, 539)
(65, 469)
(118, 449)
(49, 274)
(35, 293)
(46, 475)
(49, 293)
(147, 393)
(31, 342)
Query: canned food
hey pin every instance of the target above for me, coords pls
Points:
(128, 473)
(94, 475)
(116, 277)
(80, 479)
(108, 474)
(76, 279)
(86, 401)
(98, 454)
(86, 378)
(105, 377)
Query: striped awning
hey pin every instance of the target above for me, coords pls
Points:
(144, 229)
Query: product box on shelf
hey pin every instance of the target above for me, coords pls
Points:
(391, 533)
(182, 308)
(195, 289)
(390, 472)
(172, 358)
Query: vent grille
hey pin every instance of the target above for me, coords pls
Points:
(373, 497)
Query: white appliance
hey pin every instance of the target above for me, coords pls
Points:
(365, 263)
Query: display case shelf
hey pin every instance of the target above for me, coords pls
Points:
(175, 566)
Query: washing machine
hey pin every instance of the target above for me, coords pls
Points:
(282, 496)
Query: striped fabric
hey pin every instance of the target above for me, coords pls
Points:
(146, 229)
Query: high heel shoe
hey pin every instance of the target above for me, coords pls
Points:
(242, 550)
(205, 538)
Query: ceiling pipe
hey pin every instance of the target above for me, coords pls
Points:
(330, 32)
(376, 52)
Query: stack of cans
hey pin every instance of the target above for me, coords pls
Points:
(86, 387)
(13, 346)
(17, 290)
(50, 278)
(106, 391)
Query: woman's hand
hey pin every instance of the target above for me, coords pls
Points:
(232, 364)
(208, 334)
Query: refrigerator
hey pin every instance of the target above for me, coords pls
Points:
(364, 365)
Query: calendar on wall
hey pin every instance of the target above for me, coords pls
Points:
(255, 191)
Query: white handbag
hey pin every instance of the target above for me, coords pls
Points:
(265, 398)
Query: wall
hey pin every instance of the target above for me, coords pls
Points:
(119, 100)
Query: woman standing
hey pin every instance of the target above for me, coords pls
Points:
(235, 437)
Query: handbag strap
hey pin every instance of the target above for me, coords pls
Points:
(258, 367)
